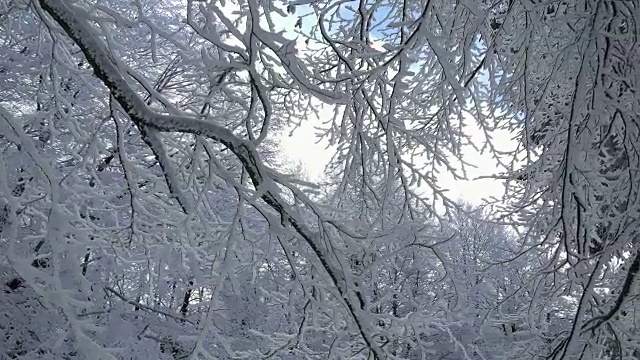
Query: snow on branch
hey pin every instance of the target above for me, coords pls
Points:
(106, 69)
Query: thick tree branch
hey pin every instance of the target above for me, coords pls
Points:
(104, 67)
(626, 288)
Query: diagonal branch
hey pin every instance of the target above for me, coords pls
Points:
(595, 322)
(98, 56)
(144, 307)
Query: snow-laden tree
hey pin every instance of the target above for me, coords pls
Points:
(571, 70)
(144, 212)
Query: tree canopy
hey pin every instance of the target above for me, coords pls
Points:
(147, 212)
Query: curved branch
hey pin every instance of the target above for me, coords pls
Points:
(626, 288)
(106, 70)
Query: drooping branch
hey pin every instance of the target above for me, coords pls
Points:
(104, 67)
(626, 288)
(145, 307)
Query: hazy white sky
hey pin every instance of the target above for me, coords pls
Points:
(302, 147)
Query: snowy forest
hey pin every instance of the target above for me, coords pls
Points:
(150, 210)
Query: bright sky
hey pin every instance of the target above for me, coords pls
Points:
(302, 147)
